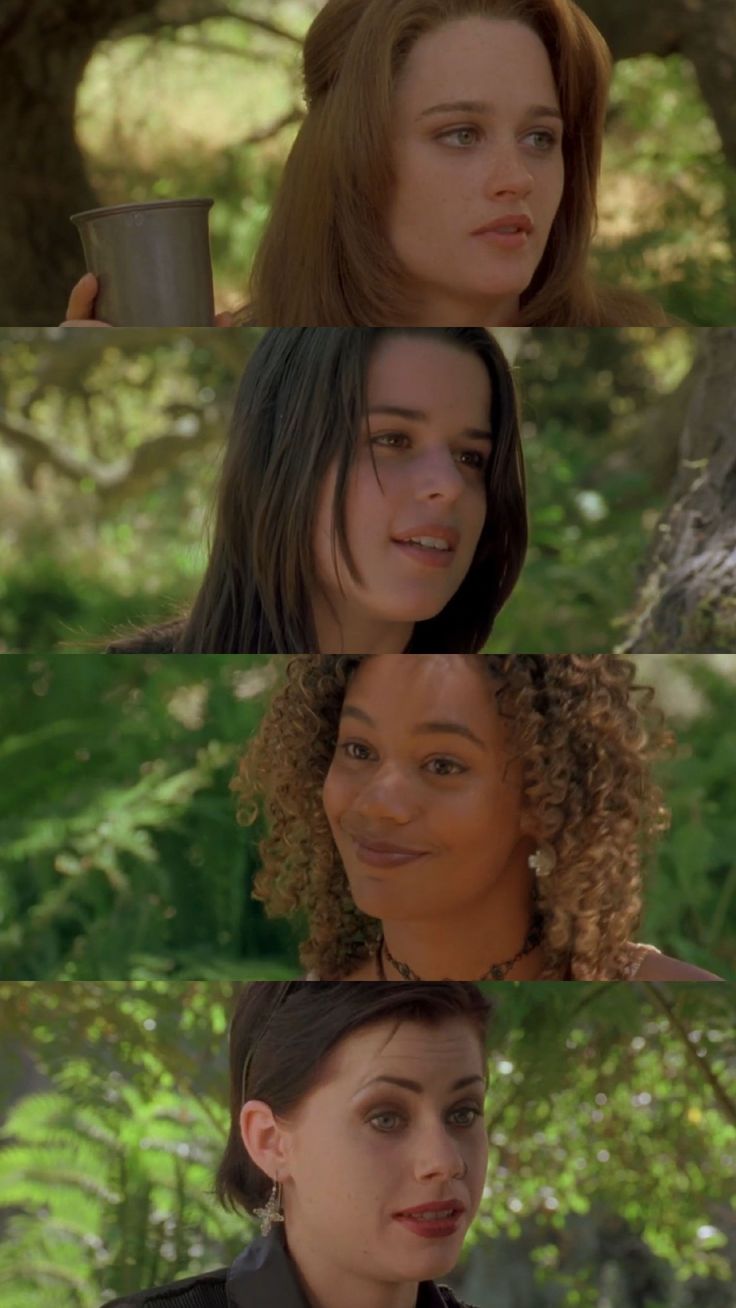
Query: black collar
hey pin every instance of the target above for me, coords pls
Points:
(263, 1276)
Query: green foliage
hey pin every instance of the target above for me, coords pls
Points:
(111, 1172)
(121, 855)
(696, 869)
(593, 495)
(668, 196)
(613, 1104)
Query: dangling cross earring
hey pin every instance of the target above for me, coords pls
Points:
(272, 1212)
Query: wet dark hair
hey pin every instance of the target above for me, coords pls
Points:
(299, 408)
(281, 1034)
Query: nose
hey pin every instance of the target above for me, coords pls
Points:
(386, 796)
(438, 1156)
(438, 477)
(508, 173)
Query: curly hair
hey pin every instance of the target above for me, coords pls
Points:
(586, 735)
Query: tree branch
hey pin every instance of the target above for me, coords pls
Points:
(112, 481)
(721, 1095)
(262, 134)
(198, 13)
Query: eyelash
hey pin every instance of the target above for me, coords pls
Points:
(392, 1113)
(478, 464)
(458, 768)
(550, 139)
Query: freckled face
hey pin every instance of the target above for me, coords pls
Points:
(428, 434)
(497, 155)
(423, 801)
(363, 1148)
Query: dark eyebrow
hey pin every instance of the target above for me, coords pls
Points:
(482, 107)
(425, 728)
(418, 415)
(416, 1087)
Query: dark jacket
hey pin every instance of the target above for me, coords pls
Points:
(262, 1276)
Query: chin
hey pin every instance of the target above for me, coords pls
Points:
(432, 1263)
(375, 898)
(418, 609)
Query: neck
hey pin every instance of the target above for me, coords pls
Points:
(358, 633)
(327, 1283)
(485, 931)
(492, 311)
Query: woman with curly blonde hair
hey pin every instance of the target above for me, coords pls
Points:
(474, 817)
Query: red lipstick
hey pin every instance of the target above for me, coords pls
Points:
(434, 1221)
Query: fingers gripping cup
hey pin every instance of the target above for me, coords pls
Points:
(152, 261)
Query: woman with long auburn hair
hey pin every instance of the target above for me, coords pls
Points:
(428, 119)
(371, 497)
(445, 174)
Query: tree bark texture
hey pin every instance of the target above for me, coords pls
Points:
(687, 600)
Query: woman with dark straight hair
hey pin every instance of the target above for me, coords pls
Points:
(357, 1141)
(372, 497)
(446, 173)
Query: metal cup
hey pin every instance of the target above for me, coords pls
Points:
(152, 262)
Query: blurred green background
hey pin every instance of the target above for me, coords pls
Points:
(142, 99)
(120, 856)
(612, 1123)
(109, 449)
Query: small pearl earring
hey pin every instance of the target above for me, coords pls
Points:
(542, 862)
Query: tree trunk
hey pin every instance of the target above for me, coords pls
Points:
(687, 600)
(44, 49)
(702, 30)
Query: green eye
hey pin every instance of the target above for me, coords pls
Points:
(460, 136)
(384, 1121)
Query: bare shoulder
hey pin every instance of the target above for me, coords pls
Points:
(659, 967)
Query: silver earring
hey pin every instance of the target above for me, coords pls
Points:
(542, 862)
(272, 1212)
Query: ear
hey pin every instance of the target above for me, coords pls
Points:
(264, 1138)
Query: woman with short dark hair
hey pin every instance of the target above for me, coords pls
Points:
(356, 1139)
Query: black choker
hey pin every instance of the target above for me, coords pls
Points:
(496, 972)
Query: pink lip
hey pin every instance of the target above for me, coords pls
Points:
(428, 557)
(520, 220)
(378, 854)
(447, 534)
